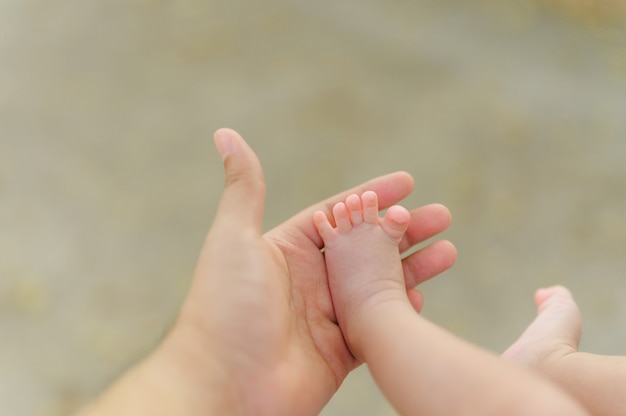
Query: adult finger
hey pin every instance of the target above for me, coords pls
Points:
(428, 262)
(243, 198)
(426, 222)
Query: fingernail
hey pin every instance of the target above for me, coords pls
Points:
(223, 143)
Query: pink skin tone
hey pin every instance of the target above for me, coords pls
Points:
(550, 346)
(257, 333)
(420, 368)
(358, 219)
(553, 334)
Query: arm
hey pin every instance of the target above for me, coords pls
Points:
(165, 383)
(598, 381)
(257, 333)
(420, 366)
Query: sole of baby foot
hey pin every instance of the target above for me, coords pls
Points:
(554, 333)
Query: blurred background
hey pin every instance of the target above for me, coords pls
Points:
(512, 113)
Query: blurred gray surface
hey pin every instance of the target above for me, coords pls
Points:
(513, 114)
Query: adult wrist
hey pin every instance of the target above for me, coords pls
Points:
(176, 379)
(198, 377)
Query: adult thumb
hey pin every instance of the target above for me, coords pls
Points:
(243, 198)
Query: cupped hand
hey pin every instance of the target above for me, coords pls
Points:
(259, 311)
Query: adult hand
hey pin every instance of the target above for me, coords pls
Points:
(257, 333)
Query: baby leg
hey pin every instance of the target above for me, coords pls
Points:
(362, 256)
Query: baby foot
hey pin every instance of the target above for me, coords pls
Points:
(362, 256)
(554, 333)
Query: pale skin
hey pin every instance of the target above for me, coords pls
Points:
(420, 368)
(550, 346)
(257, 333)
